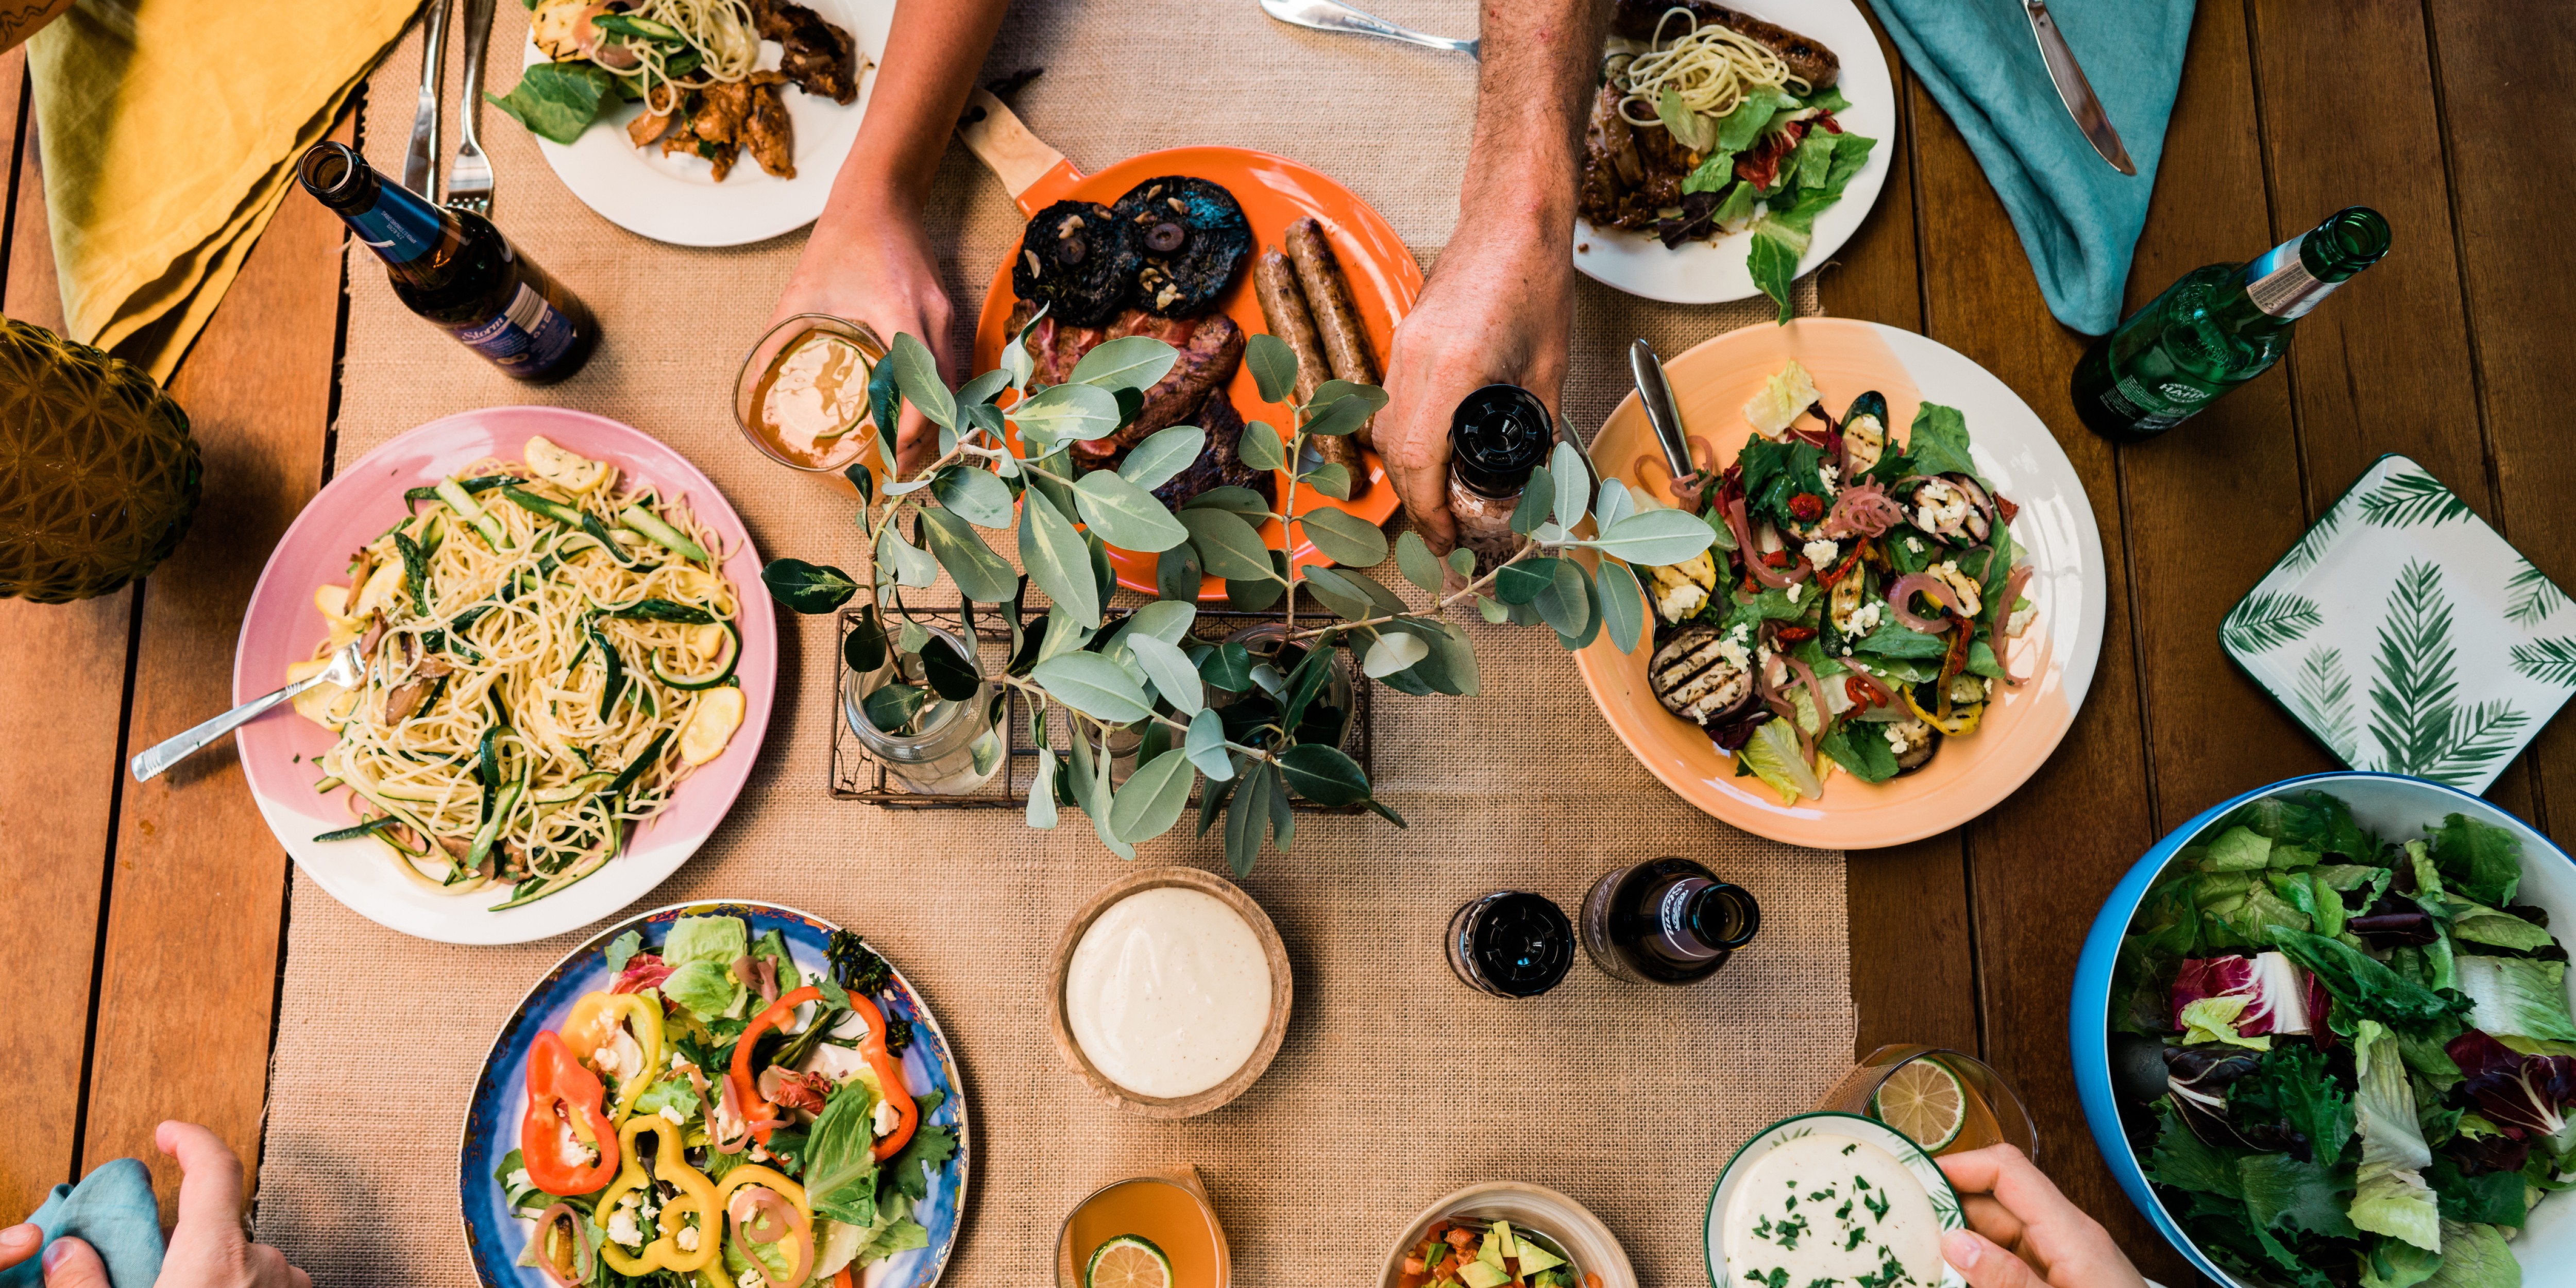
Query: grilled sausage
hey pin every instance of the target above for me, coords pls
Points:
(1337, 318)
(1807, 57)
(1283, 307)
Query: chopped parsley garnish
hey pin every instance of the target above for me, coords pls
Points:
(1847, 1149)
(1789, 1232)
(1858, 1233)
(1763, 1231)
(1878, 1206)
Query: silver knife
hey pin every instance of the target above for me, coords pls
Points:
(2075, 91)
(1656, 393)
(420, 163)
(1328, 15)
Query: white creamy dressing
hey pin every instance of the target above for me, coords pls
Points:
(1827, 1211)
(1168, 993)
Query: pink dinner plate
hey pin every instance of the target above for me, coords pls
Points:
(282, 626)
(2012, 448)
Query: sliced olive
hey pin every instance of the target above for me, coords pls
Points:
(1165, 237)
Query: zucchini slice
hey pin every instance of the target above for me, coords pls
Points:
(470, 510)
(535, 504)
(717, 672)
(663, 534)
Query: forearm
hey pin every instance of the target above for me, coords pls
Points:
(932, 53)
(1540, 65)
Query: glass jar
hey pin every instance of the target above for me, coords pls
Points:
(1265, 643)
(801, 396)
(1946, 1101)
(960, 745)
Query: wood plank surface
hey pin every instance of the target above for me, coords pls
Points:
(198, 901)
(2040, 865)
(54, 806)
(2514, 218)
(2384, 364)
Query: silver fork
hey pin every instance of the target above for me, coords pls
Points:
(469, 179)
(420, 161)
(348, 667)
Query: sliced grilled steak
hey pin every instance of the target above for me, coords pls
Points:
(1218, 464)
(1211, 348)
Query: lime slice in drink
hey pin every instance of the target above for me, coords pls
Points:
(1772, 754)
(1128, 1261)
(1924, 1100)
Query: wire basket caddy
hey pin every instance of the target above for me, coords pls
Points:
(856, 775)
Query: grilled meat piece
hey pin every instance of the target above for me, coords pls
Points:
(1211, 348)
(1218, 464)
(1807, 57)
(716, 127)
(766, 132)
(819, 58)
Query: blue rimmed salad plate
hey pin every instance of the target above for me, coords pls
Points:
(893, 1219)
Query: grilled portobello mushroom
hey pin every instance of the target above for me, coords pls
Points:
(1192, 237)
(1076, 257)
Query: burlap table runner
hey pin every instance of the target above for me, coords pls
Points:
(1396, 1084)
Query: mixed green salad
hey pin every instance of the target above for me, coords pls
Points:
(1855, 609)
(717, 1118)
(2348, 1059)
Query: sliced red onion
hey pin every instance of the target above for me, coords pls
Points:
(728, 1132)
(760, 1216)
(575, 1229)
(2003, 643)
(1862, 510)
(1901, 596)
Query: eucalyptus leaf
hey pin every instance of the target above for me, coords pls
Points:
(951, 673)
(1042, 791)
(865, 648)
(1161, 458)
(1227, 545)
(912, 565)
(1491, 610)
(864, 479)
(980, 574)
(1206, 746)
(1331, 478)
(891, 708)
(1064, 413)
(983, 389)
(1575, 641)
(1523, 582)
(1414, 559)
(805, 587)
(917, 373)
(1128, 362)
(1126, 514)
(1017, 362)
(1336, 593)
(1616, 502)
(1153, 797)
(1177, 574)
(1573, 485)
(1094, 686)
(1451, 666)
(1167, 621)
(1259, 446)
(1057, 559)
(1274, 366)
(1564, 603)
(1212, 801)
(1655, 537)
(1048, 476)
(1537, 501)
(1283, 819)
(1323, 774)
(885, 407)
(1391, 653)
(1462, 561)
(1623, 604)
(1232, 500)
(1344, 537)
(1334, 413)
(973, 493)
(1104, 577)
(1247, 817)
(1064, 633)
(1228, 668)
(1090, 782)
(1171, 672)
(1255, 596)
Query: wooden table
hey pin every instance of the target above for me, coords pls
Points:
(143, 932)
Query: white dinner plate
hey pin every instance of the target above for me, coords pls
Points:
(676, 198)
(1701, 272)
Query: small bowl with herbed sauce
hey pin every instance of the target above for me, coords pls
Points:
(1831, 1197)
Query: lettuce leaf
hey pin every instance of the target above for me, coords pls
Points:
(2282, 1192)
(1859, 748)
(2238, 849)
(674, 1093)
(2475, 1256)
(2395, 1263)
(840, 1162)
(772, 947)
(706, 939)
(2482, 861)
(2293, 1087)
(2521, 996)
(709, 990)
(2495, 1198)
(2390, 1194)
(2484, 925)
(1938, 442)
(558, 101)
(2362, 985)
(2185, 1162)
(2213, 1019)
(622, 950)
(2311, 821)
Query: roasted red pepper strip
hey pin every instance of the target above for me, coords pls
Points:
(566, 1111)
(889, 1077)
(746, 1089)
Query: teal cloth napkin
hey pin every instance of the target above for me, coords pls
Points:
(114, 1211)
(2078, 218)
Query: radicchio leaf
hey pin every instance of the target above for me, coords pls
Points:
(643, 971)
(2276, 992)
(2528, 1093)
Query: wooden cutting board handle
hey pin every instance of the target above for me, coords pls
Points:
(1029, 170)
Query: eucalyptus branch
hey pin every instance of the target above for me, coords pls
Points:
(1044, 698)
(1288, 506)
(1529, 546)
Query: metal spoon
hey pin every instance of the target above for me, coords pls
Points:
(348, 667)
(1330, 15)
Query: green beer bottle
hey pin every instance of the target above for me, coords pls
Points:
(2216, 328)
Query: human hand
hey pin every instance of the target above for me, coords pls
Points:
(1497, 310)
(874, 265)
(2013, 1208)
(19, 1242)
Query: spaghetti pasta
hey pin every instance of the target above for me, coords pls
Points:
(723, 46)
(549, 656)
(1711, 66)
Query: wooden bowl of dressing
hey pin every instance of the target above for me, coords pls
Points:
(1061, 974)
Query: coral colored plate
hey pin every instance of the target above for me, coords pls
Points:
(282, 626)
(1274, 192)
(2012, 448)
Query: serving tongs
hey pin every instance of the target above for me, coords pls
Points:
(1655, 394)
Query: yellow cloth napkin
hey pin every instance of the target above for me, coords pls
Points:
(170, 130)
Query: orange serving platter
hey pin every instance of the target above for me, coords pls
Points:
(1274, 192)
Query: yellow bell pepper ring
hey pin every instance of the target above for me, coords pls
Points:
(1962, 721)
(796, 1240)
(697, 1197)
(594, 1024)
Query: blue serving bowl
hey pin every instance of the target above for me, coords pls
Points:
(2385, 804)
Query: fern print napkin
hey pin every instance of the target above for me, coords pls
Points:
(2407, 636)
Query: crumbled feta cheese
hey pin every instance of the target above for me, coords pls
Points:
(1914, 544)
(1847, 650)
(1831, 477)
(1821, 552)
(1678, 602)
(687, 1238)
(679, 1061)
(673, 1113)
(759, 1155)
(1796, 591)
(752, 1278)
(519, 1180)
(2020, 619)
(1895, 740)
(1733, 653)
(885, 1118)
(1866, 618)
(622, 1226)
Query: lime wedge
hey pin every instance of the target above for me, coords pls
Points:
(1924, 1100)
(1128, 1261)
(1772, 755)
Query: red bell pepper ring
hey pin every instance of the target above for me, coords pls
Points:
(746, 1091)
(889, 1078)
(567, 1111)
